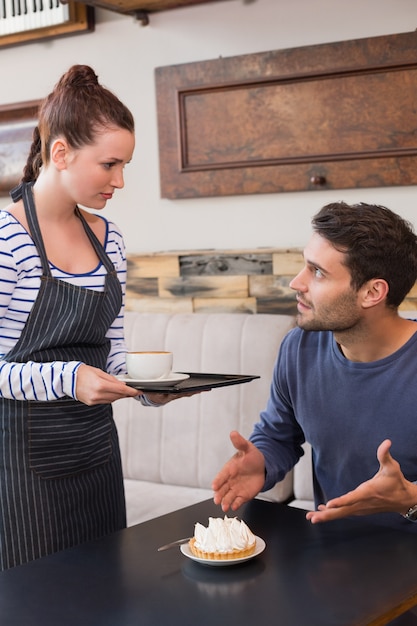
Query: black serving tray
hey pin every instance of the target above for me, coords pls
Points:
(196, 382)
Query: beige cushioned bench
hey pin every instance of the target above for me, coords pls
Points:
(171, 454)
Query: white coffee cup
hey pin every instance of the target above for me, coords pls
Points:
(149, 365)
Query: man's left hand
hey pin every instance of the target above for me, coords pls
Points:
(387, 491)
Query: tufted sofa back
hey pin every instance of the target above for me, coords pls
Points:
(187, 441)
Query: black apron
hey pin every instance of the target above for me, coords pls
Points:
(61, 479)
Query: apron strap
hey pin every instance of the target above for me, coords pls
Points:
(24, 191)
(101, 253)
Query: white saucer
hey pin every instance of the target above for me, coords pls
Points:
(259, 547)
(174, 377)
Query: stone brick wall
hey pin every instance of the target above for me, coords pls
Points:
(218, 281)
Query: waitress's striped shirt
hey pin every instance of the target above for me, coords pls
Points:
(20, 274)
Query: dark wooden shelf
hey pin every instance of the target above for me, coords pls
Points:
(144, 6)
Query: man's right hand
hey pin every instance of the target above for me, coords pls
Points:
(242, 477)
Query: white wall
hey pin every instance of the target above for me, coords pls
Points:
(124, 54)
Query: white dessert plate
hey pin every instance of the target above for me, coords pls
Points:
(259, 547)
(174, 377)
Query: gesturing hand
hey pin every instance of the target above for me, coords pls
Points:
(387, 491)
(242, 477)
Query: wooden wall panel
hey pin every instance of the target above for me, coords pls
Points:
(318, 117)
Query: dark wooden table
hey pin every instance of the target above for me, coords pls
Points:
(337, 574)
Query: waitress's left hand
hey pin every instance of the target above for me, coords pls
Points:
(163, 398)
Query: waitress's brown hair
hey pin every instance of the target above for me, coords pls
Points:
(77, 109)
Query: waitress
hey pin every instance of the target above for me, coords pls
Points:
(61, 327)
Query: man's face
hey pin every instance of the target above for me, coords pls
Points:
(326, 300)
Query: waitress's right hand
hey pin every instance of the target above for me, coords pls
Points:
(93, 386)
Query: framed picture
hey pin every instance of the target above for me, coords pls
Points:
(41, 21)
(17, 122)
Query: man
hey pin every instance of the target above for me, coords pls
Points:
(345, 379)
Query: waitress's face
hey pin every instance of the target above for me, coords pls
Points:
(93, 172)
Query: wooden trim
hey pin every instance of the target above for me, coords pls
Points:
(81, 21)
(17, 122)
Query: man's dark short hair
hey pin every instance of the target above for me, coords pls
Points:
(377, 243)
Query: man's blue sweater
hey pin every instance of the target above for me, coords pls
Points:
(344, 409)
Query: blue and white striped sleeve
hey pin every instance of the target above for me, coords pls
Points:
(38, 381)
